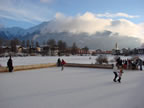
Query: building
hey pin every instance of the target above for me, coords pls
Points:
(116, 50)
(140, 50)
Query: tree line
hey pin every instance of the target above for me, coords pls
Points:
(52, 43)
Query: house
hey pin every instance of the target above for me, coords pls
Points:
(108, 52)
(19, 49)
(125, 51)
(99, 51)
(140, 50)
(54, 50)
(46, 50)
(6, 49)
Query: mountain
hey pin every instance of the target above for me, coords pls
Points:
(42, 32)
(100, 40)
(10, 33)
(17, 32)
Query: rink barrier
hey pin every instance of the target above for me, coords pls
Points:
(28, 67)
(104, 66)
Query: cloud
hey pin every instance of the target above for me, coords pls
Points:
(46, 1)
(89, 23)
(116, 15)
(23, 10)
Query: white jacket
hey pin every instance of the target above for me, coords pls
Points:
(115, 69)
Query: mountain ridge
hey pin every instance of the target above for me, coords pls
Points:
(102, 39)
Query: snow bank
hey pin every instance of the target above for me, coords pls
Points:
(53, 59)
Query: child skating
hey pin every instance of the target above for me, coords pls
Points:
(120, 74)
(115, 71)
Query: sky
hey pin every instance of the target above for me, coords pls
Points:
(124, 17)
(27, 13)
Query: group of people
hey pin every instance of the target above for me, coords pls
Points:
(10, 64)
(117, 68)
(135, 63)
(61, 63)
(125, 64)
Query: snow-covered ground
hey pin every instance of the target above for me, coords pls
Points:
(71, 88)
(53, 59)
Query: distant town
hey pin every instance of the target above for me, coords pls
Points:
(16, 47)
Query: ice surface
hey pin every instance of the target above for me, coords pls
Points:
(71, 88)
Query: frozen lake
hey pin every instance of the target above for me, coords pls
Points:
(71, 88)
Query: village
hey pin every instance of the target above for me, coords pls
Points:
(61, 49)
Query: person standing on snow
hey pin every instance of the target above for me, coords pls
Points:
(58, 62)
(115, 71)
(63, 63)
(10, 64)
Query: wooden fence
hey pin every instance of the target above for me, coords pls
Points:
(28, 67)
(104, 66)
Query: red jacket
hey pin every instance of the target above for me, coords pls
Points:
(63, 62)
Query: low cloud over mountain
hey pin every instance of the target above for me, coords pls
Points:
(89, 29)
(91, 24)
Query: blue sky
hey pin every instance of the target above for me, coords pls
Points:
(27, 13)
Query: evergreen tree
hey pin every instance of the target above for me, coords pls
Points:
(51, 43)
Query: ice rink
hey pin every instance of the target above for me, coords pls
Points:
(71, 88)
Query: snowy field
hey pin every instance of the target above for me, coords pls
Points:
(71, 88)
(53, 59)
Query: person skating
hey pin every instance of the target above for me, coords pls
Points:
(10, 64)
(115, 71)
(140, 64)
(58, 62)
(120, 74)
(63, 63)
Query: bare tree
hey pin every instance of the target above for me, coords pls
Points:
(74, 49)
(62, 46)
(37, 44)
(44, 43)
(13, 44)
(28, 43)
(23, 44)
(51, 43)
(32, 44)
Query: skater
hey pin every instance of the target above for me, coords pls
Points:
(58, 62)
(115, 71)
(10, 64)
(62, 64)
(120, 74)
(140, 64)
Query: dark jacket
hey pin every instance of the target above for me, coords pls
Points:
(10, 65)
